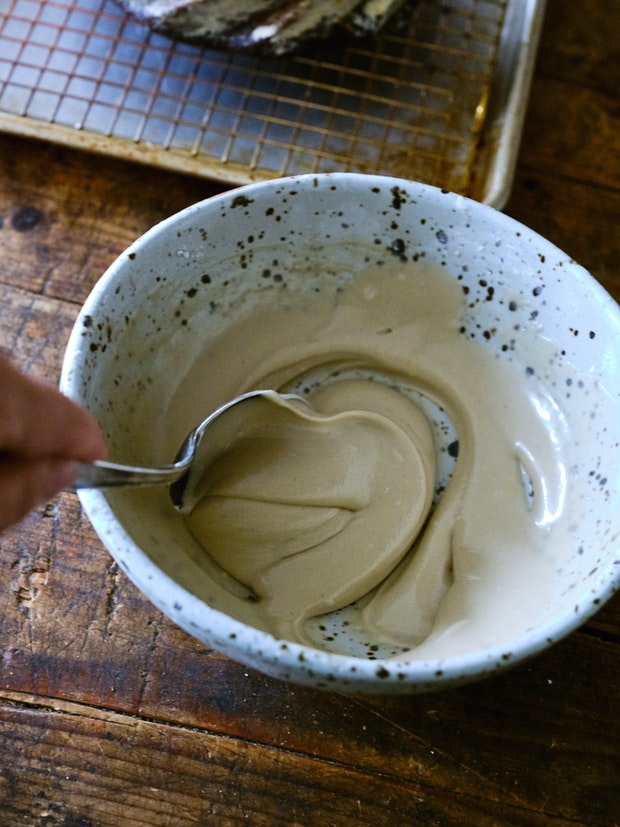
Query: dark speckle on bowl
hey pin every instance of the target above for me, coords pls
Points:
(398, 247)
(241, 201)
(399, 197)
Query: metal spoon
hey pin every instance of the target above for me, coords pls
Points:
(193, 457)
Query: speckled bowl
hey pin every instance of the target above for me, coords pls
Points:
(153, 310)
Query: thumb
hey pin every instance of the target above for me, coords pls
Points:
(26, 483)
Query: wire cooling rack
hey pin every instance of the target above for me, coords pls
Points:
(438, 97)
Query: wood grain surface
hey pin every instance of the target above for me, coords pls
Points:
(111, 715)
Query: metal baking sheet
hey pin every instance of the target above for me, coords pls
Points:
(439, 97)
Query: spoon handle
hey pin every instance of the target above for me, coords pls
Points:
(102, 474)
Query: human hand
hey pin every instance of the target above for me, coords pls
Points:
(43, 434)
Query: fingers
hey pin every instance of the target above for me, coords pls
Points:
(36, 420)
(26, 483)
(42, 437)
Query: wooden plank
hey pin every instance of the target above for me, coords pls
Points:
(567, 185)
(61, 228)
(72, 627)
(582, 48)
(34, 330)
(606, 623)
(60, 766)
(481, 738)
(569, 131)
(575, 217)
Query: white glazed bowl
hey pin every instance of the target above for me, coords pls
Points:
(179, 284)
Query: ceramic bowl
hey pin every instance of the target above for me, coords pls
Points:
(134, 358)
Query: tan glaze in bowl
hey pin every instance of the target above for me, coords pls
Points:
(189, 278)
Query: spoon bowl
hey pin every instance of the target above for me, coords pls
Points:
(194, 456)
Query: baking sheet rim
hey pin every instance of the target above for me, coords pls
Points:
(503, 130)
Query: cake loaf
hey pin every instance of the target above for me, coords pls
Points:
(269, 26)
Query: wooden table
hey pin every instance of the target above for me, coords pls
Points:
(111, 715)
